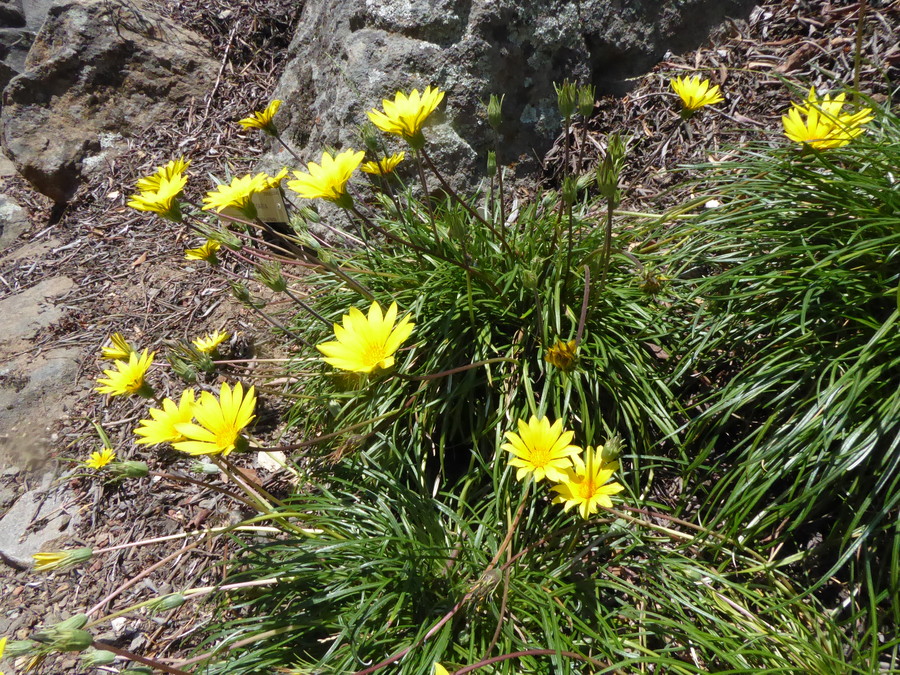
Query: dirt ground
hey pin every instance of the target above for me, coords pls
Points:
(129, 275)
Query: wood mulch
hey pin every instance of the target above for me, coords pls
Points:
(130, 275)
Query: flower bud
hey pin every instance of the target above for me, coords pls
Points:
(61, 560)
(94, 658)
(18, 648)
(529, 279)
(569, 190)
(495, 111)
(269, 274)
(612, 449)
(587, 93)
(491, 163)
(370, 137)
(130, 469)
(566, 98)
(205, 468)
(166, 602)
(562, 355)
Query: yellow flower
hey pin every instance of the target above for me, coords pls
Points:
(100, 459)
(164, 200)
(385, 165)
(120, 349)
(562, 355)
(825, 125)
(2, 647)
(541, 449)
(219, 422)
(364, 343)
(208, 343)
(695, 93)
(585, 485)
(206, 252)
(128, 377)
(405, 115)
(275, 181)
(262, 119)
(328, 180)
(173, 169)
(440, 670)
(161, 427)
(60, 560)
(238, 195)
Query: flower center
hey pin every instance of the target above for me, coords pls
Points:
(226, 437)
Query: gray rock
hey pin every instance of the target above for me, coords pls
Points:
(38, 517)
(97, 69)
(13, 221)
(347, 56)
(31, 310)
(14, 46)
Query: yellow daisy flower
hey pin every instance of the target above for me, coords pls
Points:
(120, 349)
(237, 195)
(164, 200)
(541, 449)
(208, 343)
(440, 670)
(100, 459)
(824, 126)
(275, 181)
(262, 119)
(366, 343)
(219, 422)
(405, 115)
(161, 427)
(329, 179)
(586, 485)
(206, 252)
(385, 165)
(695, 93)
(128, 377)
(171, 170)
(562, 355)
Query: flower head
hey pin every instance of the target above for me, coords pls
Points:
(160, 428)
(275, 181)
(262, 119)
(237, 195)
(163, 200)
(219, 422)
(329, 179)
(128, 377)
(385, 165)
(405, 115)
(120, 349)
(172, 169)
(562, 355)
(60, 560)
(205, 252)
(366, 343)
(439, 669)
(541, 449)
(585, 485)
(824, 126)
(100, 459)
(209, 342)
(695, 93)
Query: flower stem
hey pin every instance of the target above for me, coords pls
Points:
(137, 658)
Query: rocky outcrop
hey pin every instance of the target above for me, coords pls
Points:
(347, 56)
(99, 71)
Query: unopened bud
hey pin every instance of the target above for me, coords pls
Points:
(370, 137)
(529, 279)
(612, 449)
(166, 602)
(566, 98)
(130, 469)
(269, 274)
(205, 468)
(491, 163)
(18, 648)
(587, 93)
(61, 560)
(495, 111)
(94, 658)
(569, 190)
